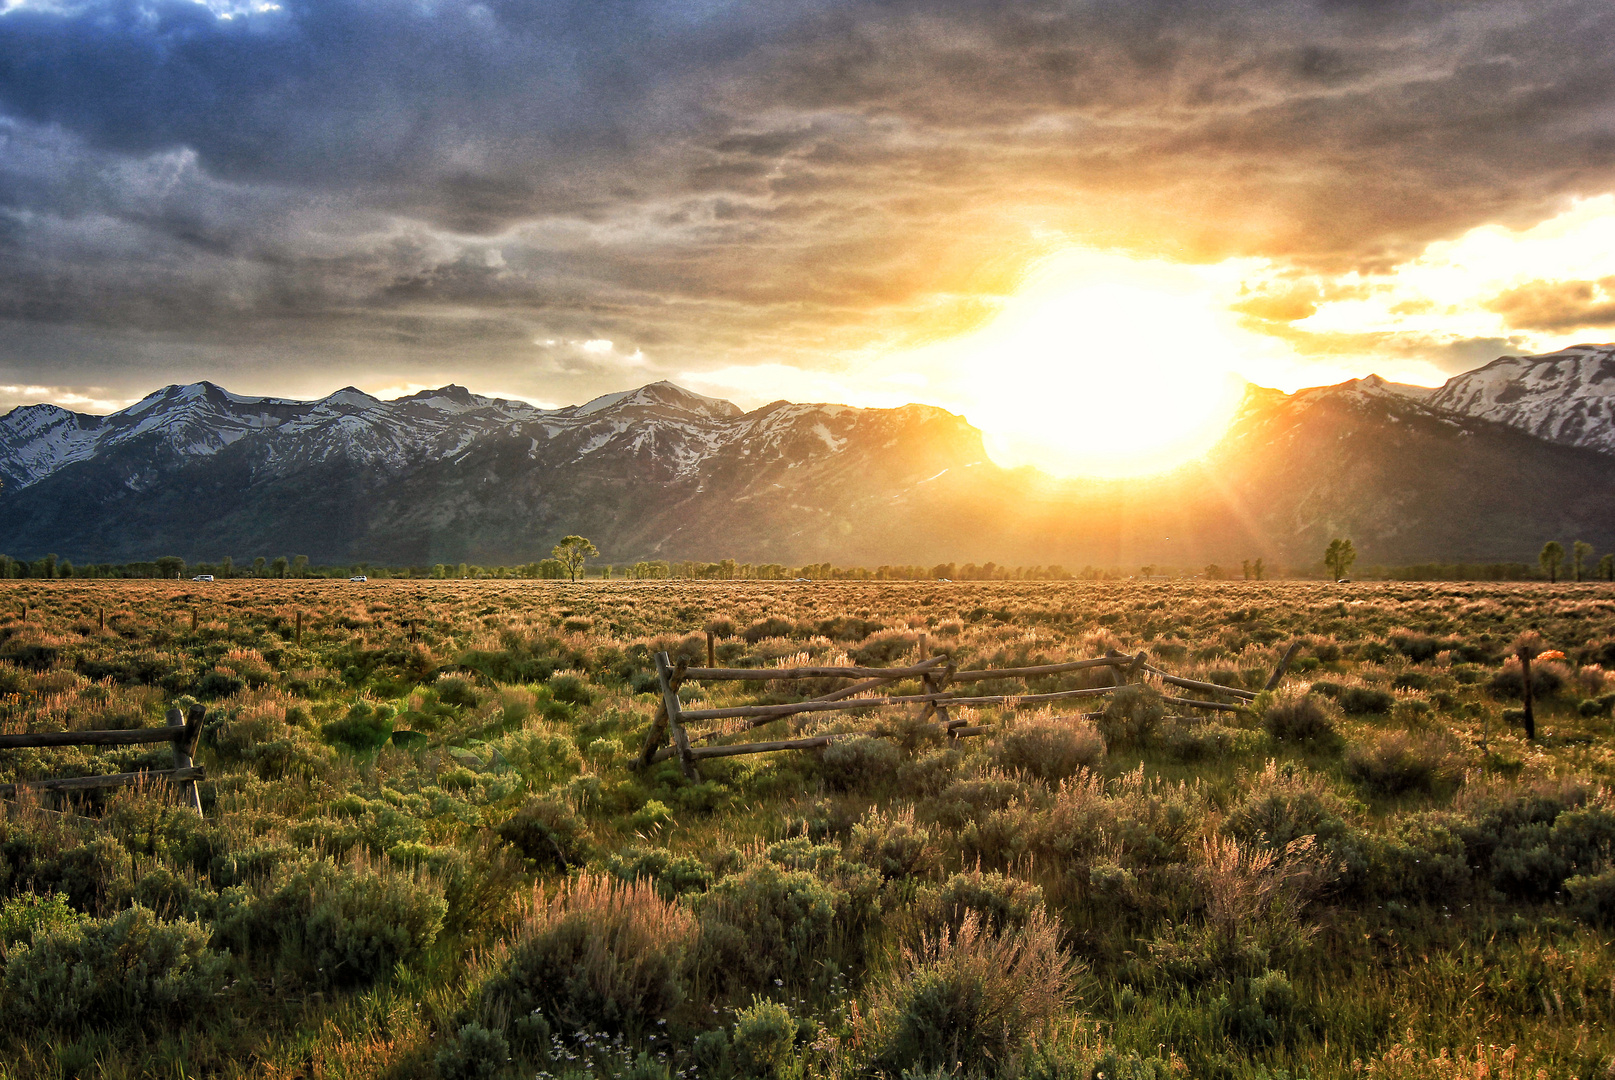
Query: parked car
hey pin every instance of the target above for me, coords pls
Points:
(360, 577)
(203, 577)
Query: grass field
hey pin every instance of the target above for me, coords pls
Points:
(426, 850)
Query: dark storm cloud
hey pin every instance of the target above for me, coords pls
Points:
(411, 185)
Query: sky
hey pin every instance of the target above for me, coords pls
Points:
(994, 207)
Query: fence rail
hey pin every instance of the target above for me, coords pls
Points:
(668, 738)
(182, 732)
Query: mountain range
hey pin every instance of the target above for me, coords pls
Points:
(1484, 468)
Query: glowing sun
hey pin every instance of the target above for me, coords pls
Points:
(1108, 366)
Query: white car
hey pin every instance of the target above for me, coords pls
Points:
(203, 577)
(361, 577)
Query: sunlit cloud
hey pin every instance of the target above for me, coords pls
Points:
(74, 399)
(1528, 287)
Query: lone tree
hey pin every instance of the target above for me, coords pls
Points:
(1339, 556)
(1606, 568)
(1579, 552)
(1552, 558)
(572, 552)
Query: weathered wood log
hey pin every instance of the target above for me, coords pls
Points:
(1215, 706)
(882, 702)
(769, 718)
(87, 783)
(185, 746)
(1119, 660)
(1196, 684)
(675, 723)
(131, 737)
(717, 674)
(654, 737)
(1283, 666)
(811, 742)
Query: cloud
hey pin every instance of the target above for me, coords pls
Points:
(712, 185)
(1558, 305)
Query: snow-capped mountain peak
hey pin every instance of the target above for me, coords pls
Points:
(1566, 396)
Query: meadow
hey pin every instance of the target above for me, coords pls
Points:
(427, 849)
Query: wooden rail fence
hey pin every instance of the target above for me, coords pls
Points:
(182, 732)
(668, 737)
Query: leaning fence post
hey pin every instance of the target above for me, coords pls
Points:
(185, 745)
(1283, 666)
(670, 705)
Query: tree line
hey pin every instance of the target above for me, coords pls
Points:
(570, 560)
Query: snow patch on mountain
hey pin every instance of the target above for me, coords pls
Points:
(1566, 396)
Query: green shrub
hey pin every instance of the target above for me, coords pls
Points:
(341, 925)
(1187, 739)
(1260, 1011)
(764, 1043)
(771, 627)
(892, 843)
(1531, 858)
(457, 692)
(475, 1053)
(971, 798)
(1298, 718)
(1594, 896)
(927, 774)
(92, 873)
(21, 917)
(1424, 859)
(598, 952)
(366, 727)
(768, 922)
(1396, 763)
(1130, 717)
(1116, 1065)
(1001, 902)
(1283, 804)
(570, 689)
(1547, 679)
(859, 763)
(672, 875)
(130, 968)
(967, 1001)
(547, 831)
(882, 649)
(1365, 700)
(1050, 748)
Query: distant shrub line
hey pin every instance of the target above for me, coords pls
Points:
(171, 567)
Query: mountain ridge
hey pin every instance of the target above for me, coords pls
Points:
(658, 471)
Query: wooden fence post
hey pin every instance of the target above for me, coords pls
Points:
(670, 705)
(101, 617)
(1525, 655)
(185, 745)
(1284, 665)
(193, 620)
(712, 649)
